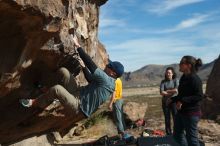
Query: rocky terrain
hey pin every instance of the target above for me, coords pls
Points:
(36, 39)
(211, 103)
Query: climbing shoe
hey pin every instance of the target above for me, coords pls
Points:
(129, 139)
(126, 136)
(26, 102)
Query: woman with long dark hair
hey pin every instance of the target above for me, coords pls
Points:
(187, 102)
(168, 89)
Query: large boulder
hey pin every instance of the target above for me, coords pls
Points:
(135, 111)
(35, 37)
(211, 104)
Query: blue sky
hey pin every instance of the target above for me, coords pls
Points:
(142, 32)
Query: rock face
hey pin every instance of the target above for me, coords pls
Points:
(211, 104)
(35, 36)
(135, 111)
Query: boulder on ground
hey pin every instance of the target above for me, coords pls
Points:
(135, 111)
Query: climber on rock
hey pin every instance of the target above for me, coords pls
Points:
(83, 100)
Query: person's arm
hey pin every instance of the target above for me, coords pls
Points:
(172, 91)
(198, 93)
(85, 57)
(162, 91)
(87, 60)
(85, 70)
(165, 93)
(192, 99)
(111, 101)
(175, 89)
(87, 74)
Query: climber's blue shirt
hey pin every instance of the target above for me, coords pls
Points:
(96, 92)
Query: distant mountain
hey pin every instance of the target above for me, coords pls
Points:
(153, 74)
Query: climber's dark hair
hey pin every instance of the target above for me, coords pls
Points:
(195, 63)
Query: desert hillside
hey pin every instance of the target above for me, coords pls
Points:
(153, 74)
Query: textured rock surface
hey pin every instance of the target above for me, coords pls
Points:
(34, 38)
(135, 111)
(36, 141)
(209, 132)
(212, 103)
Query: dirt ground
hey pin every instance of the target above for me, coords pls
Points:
(150, 91)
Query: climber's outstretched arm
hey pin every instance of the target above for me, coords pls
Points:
(85, 57)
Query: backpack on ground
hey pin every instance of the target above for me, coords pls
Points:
(153, 141)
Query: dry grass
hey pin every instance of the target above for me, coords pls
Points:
(149, 95)
(141, 91)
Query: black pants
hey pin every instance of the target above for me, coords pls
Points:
(167, 110)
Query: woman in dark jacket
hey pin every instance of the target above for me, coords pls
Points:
(187, 102)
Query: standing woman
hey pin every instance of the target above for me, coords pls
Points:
(187, 102)
(168, 89)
